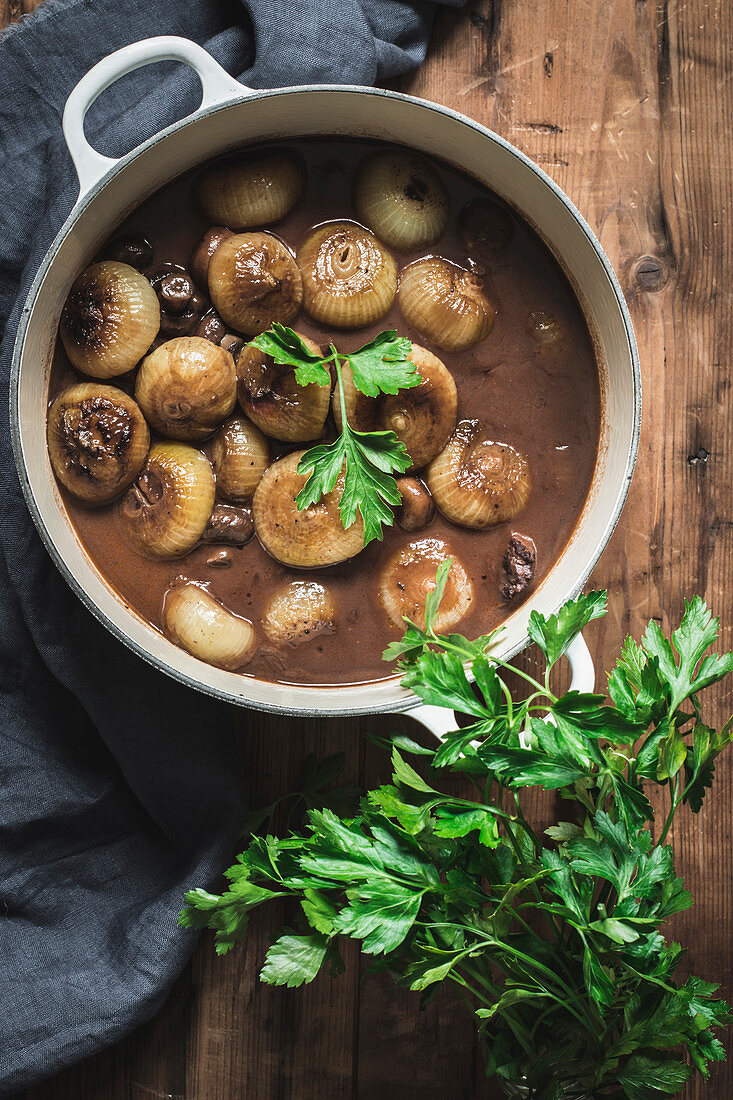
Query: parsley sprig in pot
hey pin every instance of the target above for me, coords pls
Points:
(555, 940)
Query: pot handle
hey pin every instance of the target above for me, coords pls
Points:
(218, 87)
(439, 720)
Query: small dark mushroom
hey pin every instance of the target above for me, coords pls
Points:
(229, 524)
(486, 227)
(204, 250)
(175, 291)
(232, 344)
(417, 508)
(211, 327)
(135, 251)
(518, 566)
(181, 306)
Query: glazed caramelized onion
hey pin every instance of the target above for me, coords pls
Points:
(445, 302)
(273, 400)
(401, 197)
(545, 328)
(239, 454)
(165, 512)
(302, 539)
(477, 482)
(97, 441)
(110, 319)
(245, 192)
(196, 621)
(486, 228)
(254, 281)
(423, 417)
(408, 576)
(186, 387)
(349, 277)
(297, 612)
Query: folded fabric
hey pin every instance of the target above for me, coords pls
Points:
(119, 787)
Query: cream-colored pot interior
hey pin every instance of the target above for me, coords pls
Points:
(292, 113)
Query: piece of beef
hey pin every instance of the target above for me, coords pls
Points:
(519, 564)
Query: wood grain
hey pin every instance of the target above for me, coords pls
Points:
(628, 104)
(13, 10)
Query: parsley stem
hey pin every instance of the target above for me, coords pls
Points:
(672, 810)
(342, 399)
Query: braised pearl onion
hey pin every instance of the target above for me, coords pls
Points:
(477, 482)
(247, 192)
(110, 319)
(401, 197)
(423, 417)
(196, 621)
(349, 278)
(97, 441)
(445, 302)
(298, 612)
(254, 281)
(303, 539)
(240, 454)
(274, 400)
(186, 387)
(408, 576)
(165, 512)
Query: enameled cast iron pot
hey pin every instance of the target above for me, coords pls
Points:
(229, 117)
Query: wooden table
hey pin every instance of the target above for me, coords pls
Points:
(628, 104)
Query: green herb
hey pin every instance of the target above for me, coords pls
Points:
(369, 459)
(554, 941)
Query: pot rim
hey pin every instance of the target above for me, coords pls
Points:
(81, 204)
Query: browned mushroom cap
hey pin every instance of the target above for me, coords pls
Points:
(275, 402)
(165, 512)
(186, 387)
(423, 417)
(254, 281)
(417, 508)
(445, 302)
(135, 251)
(486, 227)
(349, 277)
(477, 482)
(110, 319)
(408, 576)
(301, 539)
(97, 441)
(203, 250)
(246, 191)
(229, 524)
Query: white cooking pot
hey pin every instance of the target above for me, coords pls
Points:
(230, 116)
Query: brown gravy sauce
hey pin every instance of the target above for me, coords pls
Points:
(544, 400)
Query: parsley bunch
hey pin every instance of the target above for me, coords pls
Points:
(555, 941)
(369, 459)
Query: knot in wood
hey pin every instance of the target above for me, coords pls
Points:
(650, 273)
